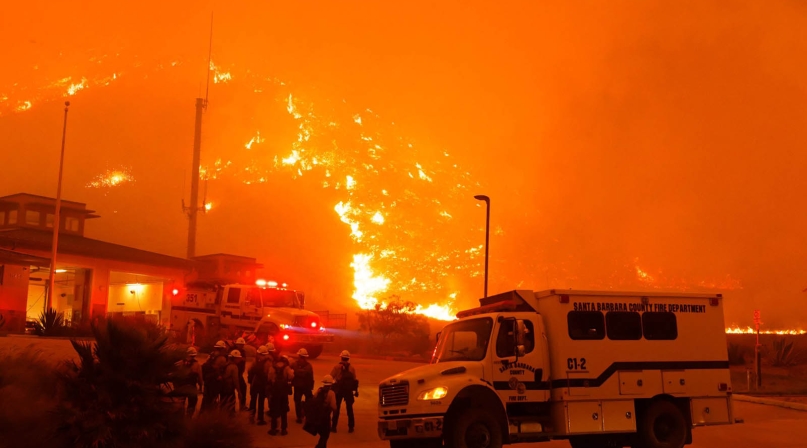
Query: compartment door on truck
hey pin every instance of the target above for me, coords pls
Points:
(518, 380)
(231, 306)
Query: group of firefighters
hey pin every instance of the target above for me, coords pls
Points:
(274, 377)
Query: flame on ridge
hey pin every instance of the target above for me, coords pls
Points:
(749, 330)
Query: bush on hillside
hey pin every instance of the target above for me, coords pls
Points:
(398, 327)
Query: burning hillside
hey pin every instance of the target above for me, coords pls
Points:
(351, 149)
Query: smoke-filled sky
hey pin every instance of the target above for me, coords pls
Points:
(624, 144)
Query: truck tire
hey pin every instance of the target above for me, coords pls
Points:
(662, 425)
(474, 428)
(314, 351)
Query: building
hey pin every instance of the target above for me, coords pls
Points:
(93, 277)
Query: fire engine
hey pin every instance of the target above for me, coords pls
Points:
(599, 369)
(269, 311)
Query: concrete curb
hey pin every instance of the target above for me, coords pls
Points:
(770, 402)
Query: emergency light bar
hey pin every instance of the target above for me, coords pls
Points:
(507, 305)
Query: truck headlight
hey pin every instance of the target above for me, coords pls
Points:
(433, 394)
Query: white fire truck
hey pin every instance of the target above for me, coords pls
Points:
(270, 312)
(600, 369)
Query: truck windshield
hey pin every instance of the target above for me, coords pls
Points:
(464, 341)
(275, 298)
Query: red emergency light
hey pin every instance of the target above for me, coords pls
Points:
(175, 292)
(285, 337)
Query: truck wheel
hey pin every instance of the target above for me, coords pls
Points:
(475, 428)
(663, 425)
(314, 351)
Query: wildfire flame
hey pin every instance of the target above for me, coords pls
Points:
(749, 330)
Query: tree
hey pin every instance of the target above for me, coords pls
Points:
(397, 324)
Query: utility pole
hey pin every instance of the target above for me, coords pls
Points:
(201, 106)
(56, 219)
(193, 210)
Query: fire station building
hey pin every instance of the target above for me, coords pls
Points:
(92, 277)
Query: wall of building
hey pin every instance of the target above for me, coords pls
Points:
(14, 296)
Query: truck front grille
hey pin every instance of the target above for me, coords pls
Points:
(394, 395)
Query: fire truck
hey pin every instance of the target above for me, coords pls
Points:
(596, 368)
(265, 310)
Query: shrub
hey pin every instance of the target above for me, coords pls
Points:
(28, 385)
(116, 395)
(784, 353)
(50, 323)
(737, 354)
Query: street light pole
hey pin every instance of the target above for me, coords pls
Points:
(56, 219)
(481, 197)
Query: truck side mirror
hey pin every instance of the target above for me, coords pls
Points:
(437, 336)
(301, 298)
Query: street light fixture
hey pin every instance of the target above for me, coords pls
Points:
(481, 197)
(56, 219)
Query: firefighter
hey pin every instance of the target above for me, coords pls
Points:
(242, 367)
(346, 387)
(324, 403)
(230, 382)
(279, 377)
(191, 376)
(303, 382)
(257, 384)
(213, 374)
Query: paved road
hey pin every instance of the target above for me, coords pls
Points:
(764, 427)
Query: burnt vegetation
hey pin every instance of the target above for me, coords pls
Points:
(395, 328)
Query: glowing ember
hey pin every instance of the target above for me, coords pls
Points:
(24, 106)
(208, 206)
(111, 178)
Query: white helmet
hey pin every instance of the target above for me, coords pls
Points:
(262, 350)
(220, 344)
(270, 347)
(191, 351)
(302, 353)
(235, 354)
(345, 354)
(240, 341)
(327, 380)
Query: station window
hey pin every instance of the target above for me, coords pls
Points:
(12, 217)
(623, 325)
(71, 224)
(234, 295)
(587, 325)
(32, 217)
(505, 340)
(49, 220)
(2, 218)
(659, 326)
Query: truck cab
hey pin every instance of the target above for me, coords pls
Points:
(273, 314)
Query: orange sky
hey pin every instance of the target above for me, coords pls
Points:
(605, 132)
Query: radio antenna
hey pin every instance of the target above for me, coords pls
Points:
(209, 59)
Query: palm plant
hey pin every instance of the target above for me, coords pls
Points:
(50, 323)
(117, 394)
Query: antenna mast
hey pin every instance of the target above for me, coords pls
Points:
(201, 106)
